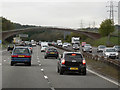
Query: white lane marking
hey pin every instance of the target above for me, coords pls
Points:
(4, 60)
(38, 61)
(39, 64)
(45, 77)
(38, 58)
(112, 81)
(42, 70)
(0, 64)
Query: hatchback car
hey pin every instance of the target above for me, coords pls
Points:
(21, 55)
(71, 62)
(76, 47)
(51, 52)
(43, 48)
(101, 48)
(87, 48)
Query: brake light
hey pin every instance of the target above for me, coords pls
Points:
(47, 52)
(63, 61)
(14, 55)
(27, 56)
(84, 62)
(30, 48)
(73, 54)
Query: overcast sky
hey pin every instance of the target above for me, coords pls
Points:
(59, 13)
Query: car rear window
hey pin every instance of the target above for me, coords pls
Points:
(21, 51)
(52, 50)
(72, 56)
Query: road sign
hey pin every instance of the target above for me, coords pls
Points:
(23, 35)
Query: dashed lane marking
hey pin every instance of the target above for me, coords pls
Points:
(45, 77)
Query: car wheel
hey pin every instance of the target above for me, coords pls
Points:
(12, 63)
(90, 51)
(61, 72)
(45, 57)
(84, 72)
(29, 64)
(58, 69)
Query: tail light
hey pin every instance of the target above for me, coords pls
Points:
(30, 48)
(47, 52)
(27, 56)
(14, 55)
(84, 62)
(63, 61)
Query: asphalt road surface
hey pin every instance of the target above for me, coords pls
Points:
(42, 74)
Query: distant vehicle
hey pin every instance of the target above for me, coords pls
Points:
(21, 55)
(43, 48)
(71, 61)
(117, 48)
(83, 44)
(65, 45)
(29, 47)
(87, 48)
(110, 53)
(59, 43)
(10, 47)
(44, 44)
(76, 47)
(75, 40)
(54, 43)
(51, 52)
(33, 44)
(101, 48)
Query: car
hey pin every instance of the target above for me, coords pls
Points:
(76, 47)
(87, 48)
(21, 55)
(117, 48)
(43, 48)
(65, 45)
(33, 44)
(71, 62)
(83, 44)
(29, 47)
(10, 47)
(101, 48)
(51, 52)
(59, 44)
(110, 53)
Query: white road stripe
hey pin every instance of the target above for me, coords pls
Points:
(42, 70)
(4, 60)
(112, 81)
(0, 64)
(45, 77)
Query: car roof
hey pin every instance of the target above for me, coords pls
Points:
(21, 47)
(109, 48)
(72, 52)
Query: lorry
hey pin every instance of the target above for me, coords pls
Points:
(75, 40)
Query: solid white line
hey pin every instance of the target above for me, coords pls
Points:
(112, 81)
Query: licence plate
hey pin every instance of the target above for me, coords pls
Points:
(73, 68)
(52, 53)
(21, 56)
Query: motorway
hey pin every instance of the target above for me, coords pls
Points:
(42, 74)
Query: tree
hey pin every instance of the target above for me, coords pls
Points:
(106, 27)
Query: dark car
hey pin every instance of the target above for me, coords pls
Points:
(71, 62)
(51, 52)
(10, 47)
(21, 55)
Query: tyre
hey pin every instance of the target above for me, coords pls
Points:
(84, 72)
(12, 63)
(29, 64)
(90, 51)
(45, 57)
(61, 72)
(58, 70)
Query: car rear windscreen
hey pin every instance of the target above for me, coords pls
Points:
(74, 56)
(21, 51)
(52, 50)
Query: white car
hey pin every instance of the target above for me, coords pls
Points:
(117, 48)
(43, 48)
(87, 48)
(65, 45)
(101, 48)
(60, 44)
(110, 53)
(76, 47)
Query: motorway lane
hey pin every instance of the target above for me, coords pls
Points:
(71, 80)
(22, 76)
(42, 74)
